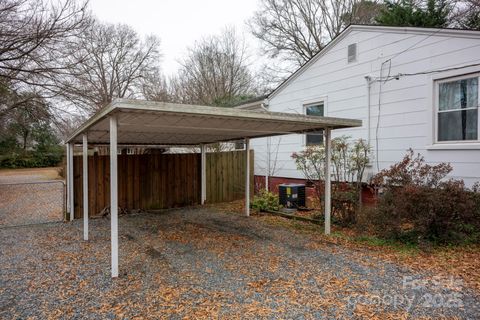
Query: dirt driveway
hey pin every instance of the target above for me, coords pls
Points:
(204, 263)
(30, 196)
(29, 175)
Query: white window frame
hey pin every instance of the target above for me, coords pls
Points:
(436, 110)
(308, 103)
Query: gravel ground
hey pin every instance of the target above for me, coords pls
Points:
(203, 263)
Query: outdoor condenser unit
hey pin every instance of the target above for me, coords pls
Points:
(292, 196)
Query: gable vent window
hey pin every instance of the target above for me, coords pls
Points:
(352, 52)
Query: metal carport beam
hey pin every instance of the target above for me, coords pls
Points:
(85, 186)
(71, 180)
(328, 182)
(203, 174)
(114, 195)
(247, 177)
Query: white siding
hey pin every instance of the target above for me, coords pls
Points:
(407, 111)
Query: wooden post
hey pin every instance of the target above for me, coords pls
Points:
(85, 186)
(328, 184)
(203, 182)
(247, 177)
(114, 195)
(71, 182)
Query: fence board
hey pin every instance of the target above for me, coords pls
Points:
(157, 181)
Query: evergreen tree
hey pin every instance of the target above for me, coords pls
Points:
(408, 13)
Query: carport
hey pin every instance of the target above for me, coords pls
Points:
(141, 123)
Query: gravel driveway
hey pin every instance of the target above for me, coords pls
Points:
(203, 263)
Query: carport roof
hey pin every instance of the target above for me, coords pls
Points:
(160, 123)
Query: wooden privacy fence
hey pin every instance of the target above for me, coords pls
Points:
(160, 181)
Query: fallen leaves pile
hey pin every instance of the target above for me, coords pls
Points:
(202, 263)
(458, 261)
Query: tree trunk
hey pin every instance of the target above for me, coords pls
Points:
(25, 137)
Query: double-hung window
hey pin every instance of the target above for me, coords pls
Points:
(315, 109)
(457, 109)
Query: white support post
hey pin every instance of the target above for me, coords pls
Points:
(267, 175)
(114, 195)
(328, 183)
(71, 181)
(67, 147)
(247, 177)
(203, 160)
(85, 187)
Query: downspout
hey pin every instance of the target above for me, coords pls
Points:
(369, 85)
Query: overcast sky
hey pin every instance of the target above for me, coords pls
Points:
(178, 23)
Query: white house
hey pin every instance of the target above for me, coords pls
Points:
(412, 88)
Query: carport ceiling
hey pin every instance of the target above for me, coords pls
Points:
(160, 123)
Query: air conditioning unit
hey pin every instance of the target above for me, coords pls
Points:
(292, 196)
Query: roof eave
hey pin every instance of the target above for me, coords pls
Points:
(357, 27)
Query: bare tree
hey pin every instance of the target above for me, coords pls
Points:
(114, 60)
(271, 162)
(363, 12)
(155, 87)
(466, 15)
(215, 72)
(68, 123)
(33, 35)
(333, 12)
(295, 30)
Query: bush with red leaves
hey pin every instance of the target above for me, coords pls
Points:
(418, 204)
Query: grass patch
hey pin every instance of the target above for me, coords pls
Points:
(373, 241)
(402, 247)
(297, 225)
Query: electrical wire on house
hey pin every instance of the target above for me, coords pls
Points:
(399, 75)
(382, 80)
(377, 128)
(415, 44)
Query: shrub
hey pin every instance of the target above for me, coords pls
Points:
(33, 160)
(311, 162)
(418, 203)
(345, 200)
(265, 201)
(348, 163)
